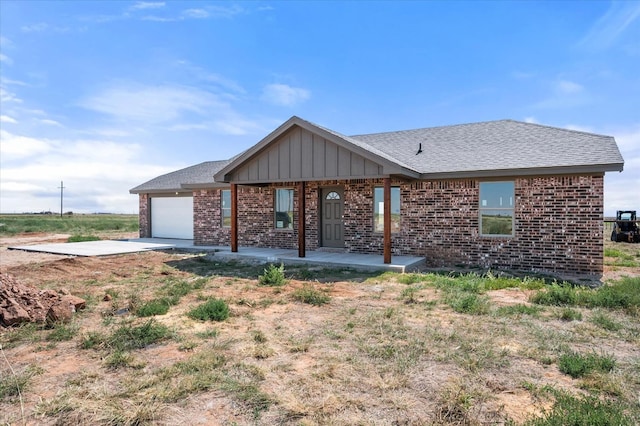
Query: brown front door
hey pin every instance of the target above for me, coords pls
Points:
(332, 205)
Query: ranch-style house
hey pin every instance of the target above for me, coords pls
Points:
(499, 194)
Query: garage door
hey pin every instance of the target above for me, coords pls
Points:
(172, 217)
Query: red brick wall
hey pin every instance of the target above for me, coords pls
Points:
(207, 219)
(558, 222)
(144, 220)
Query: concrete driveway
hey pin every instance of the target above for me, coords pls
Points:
(94, 248)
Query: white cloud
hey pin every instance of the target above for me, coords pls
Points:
(18, 147)
(151, 104)
(568, 87)
(51, 122)
(97, 174)
(7, 119)
(35, 28)
(610, 27)
(532, 120)
(7, 60)
(621, 189)
(41, 27)
(564, 94)
(195, 13)
(629, 141)
(210, 77)
(145, 5)
(6, 96)
(284, 95)
(579, 128)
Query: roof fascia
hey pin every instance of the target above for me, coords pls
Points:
(204, 185)
(571, 170)
(159, 191)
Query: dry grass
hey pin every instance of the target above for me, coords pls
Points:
(373, 353)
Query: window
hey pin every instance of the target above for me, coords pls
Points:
(225, 207)
(378, 209)
(284, 209)
(333, 195)
(496, 208)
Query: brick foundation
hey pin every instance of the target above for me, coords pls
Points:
(558, 222)
(144, 219)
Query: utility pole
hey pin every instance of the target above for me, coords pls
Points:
(61, 196)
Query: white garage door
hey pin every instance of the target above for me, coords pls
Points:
(172, 217)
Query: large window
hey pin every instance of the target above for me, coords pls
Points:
(496, 208)
(283, 204)
(225, 207)
(378, 209)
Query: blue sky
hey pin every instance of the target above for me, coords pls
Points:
(107, 95)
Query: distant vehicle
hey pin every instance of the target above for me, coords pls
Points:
(625, 228)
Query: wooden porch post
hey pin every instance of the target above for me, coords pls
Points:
(302, 209)
(387, 220)
(234, 217)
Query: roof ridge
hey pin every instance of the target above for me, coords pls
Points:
(582, 132)
(447, 126)
(509, 120)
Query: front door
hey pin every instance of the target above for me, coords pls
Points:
(332, 205)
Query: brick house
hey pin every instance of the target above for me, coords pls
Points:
(499, 194)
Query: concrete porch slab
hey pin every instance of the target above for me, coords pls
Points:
(94, 248)
(321, 258)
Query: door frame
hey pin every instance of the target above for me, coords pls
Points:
(322, 194)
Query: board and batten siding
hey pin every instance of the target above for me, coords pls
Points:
(302, 155)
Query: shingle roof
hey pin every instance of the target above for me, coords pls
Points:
(189, 177)
(499, 148)
(495, 145)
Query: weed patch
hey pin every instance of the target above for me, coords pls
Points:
(273, 276)
(63, 332)
(587, 410)
(310, 295)
(211, 310)
(518, 310)
(12, 385)
(128, 337)
(578, 365)
(467, 303)
(156, 307)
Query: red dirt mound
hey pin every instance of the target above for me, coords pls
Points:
(20, 303)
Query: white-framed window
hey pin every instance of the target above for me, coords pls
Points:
(283, 208)
(225, 207)
(378, 209)
(497, 208)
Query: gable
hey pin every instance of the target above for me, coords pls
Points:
(300, 154)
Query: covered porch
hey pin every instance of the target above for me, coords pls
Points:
(291, 256)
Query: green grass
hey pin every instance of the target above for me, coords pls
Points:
(622, 294)
(518, 310)
(310, 295)
(156, 307)
(13, 385)
(211, 310)
(604, 320)
(78, 224)
(129, 337)
(577, 365)
(582, 411)
(82, 238)
(468, 303)
(63, 332)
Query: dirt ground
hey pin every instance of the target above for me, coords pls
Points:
(321, 364)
